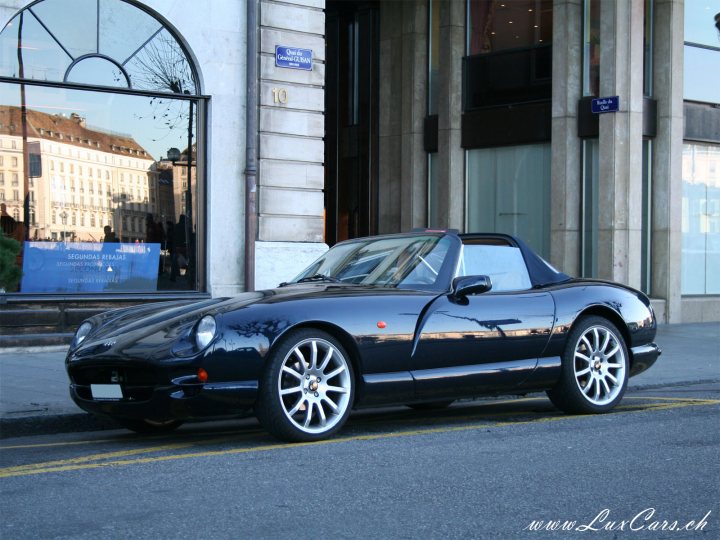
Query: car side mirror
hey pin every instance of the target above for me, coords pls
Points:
(466, 285)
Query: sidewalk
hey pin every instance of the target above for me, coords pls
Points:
(34, 395)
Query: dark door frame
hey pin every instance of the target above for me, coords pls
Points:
(351, 119)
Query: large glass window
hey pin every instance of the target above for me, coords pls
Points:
(701, 219)
(433, 182)
(516, 24)
(100, 89)
(433, 55)
(648, 33)
(509, 47)
(509, 192)
(591, 47)
(702, 51)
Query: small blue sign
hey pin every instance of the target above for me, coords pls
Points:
(293, 58)
(606, 104)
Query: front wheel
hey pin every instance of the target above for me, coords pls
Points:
(307, 389)
(594, 368)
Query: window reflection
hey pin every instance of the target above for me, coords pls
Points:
(509, 53)
(83, 184)
(509, 192)
(591, 47)
(74, 40)
(100, 177)
(700, 22)
(497, 26)
(95, 70)
(701, 219)
(702, 83)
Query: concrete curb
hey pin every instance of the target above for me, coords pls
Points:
(36, 349)
(52, 424)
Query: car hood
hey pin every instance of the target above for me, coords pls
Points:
(141, 329)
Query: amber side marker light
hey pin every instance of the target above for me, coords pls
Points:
(202, 375)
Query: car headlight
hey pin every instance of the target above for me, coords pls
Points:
(82, 333)
(205, 331)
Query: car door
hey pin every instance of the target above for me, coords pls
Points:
(486, 342)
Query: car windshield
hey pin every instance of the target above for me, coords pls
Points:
(399, 261)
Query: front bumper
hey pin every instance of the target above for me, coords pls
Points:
(643, 357)
(149, 393)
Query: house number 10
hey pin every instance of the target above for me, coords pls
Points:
(280, 95)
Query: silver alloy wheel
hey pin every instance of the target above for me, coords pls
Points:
(599, 363)
(314, 385)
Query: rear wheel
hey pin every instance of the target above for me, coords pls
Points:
(307, 389)
(144, 425)
(594, 368)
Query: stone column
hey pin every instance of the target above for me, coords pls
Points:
(620, 199)
(451, 166)
(291, 147)
(667, 156)
(566, 174)
(413, 161)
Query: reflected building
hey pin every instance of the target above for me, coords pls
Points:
(86, 178)
(165, 192)
(181, 188)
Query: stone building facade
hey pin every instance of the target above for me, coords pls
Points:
(458, 114)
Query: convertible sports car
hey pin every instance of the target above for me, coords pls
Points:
(421, 319)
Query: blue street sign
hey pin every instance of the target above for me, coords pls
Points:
(293, 58)
(606, 104)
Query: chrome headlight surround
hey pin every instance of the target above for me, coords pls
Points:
(82, 332)
(205, 331)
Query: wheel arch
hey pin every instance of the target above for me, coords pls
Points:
(612, 316)
(345, 339)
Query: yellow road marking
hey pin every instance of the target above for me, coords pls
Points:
(655, 398)
(117, 454)
(75, 464)
(129, 439)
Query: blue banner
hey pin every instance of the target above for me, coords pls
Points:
(85, 267)
(292, 57)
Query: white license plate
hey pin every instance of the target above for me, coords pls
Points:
(106, 391)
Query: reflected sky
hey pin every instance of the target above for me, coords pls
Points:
(700, 22)
(156, 124)
(105, 43)
(702, 74)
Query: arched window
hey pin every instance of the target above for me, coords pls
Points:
(113, 77)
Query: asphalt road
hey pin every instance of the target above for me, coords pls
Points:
(486, 469)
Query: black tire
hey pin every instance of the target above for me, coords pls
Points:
(431, 406)
(143, 425)
(311, 399)
(595, 367)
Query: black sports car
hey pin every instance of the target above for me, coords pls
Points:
(422, 319)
